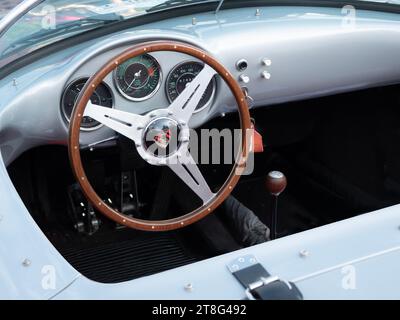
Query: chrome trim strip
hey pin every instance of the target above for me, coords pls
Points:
(16, 13)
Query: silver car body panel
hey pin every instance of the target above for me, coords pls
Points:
(336, 253)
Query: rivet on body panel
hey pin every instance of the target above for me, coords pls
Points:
(189, 287)
(304, 253)
(26, 263)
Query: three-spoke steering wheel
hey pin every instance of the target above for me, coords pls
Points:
(176, 118)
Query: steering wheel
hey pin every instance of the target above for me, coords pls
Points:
(176, 118)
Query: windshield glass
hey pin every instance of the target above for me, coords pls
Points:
(54, 20)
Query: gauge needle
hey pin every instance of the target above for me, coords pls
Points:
(135, 76)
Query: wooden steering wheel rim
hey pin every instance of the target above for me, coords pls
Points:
(74, 133)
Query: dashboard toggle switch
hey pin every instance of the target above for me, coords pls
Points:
(244, 78)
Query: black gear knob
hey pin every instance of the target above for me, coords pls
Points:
(275, 183)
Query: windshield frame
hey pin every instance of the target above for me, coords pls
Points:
(15, 14)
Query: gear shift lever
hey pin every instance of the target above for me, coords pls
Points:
(275, 184)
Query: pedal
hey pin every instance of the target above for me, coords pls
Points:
(81, 212)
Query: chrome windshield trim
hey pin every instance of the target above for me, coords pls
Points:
(10, 18)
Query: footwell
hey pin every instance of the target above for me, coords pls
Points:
(129, 259)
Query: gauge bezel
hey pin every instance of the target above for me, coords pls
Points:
(214, 79)
(68, 86)
(128, 97)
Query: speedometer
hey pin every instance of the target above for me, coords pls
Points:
(139, 78)
(181, 76)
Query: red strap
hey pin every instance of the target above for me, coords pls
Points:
(258, 142)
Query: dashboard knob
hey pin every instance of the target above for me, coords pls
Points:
(266, 75)
(244, 78)
(266, 62)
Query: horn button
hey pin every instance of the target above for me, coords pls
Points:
(161, 137)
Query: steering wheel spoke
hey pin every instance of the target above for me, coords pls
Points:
(185, 104)
(188, 171)
(125, 123)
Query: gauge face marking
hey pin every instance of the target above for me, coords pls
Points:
(181, 76)
(139, 78)
(102, 97)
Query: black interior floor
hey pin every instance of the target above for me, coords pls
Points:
(129, 259)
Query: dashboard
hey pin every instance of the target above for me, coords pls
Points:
(138, 80)
(277, 54)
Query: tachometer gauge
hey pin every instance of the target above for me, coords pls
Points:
(181, 76)
(102, 97)
(139, 78)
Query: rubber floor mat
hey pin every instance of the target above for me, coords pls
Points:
(128, 259)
